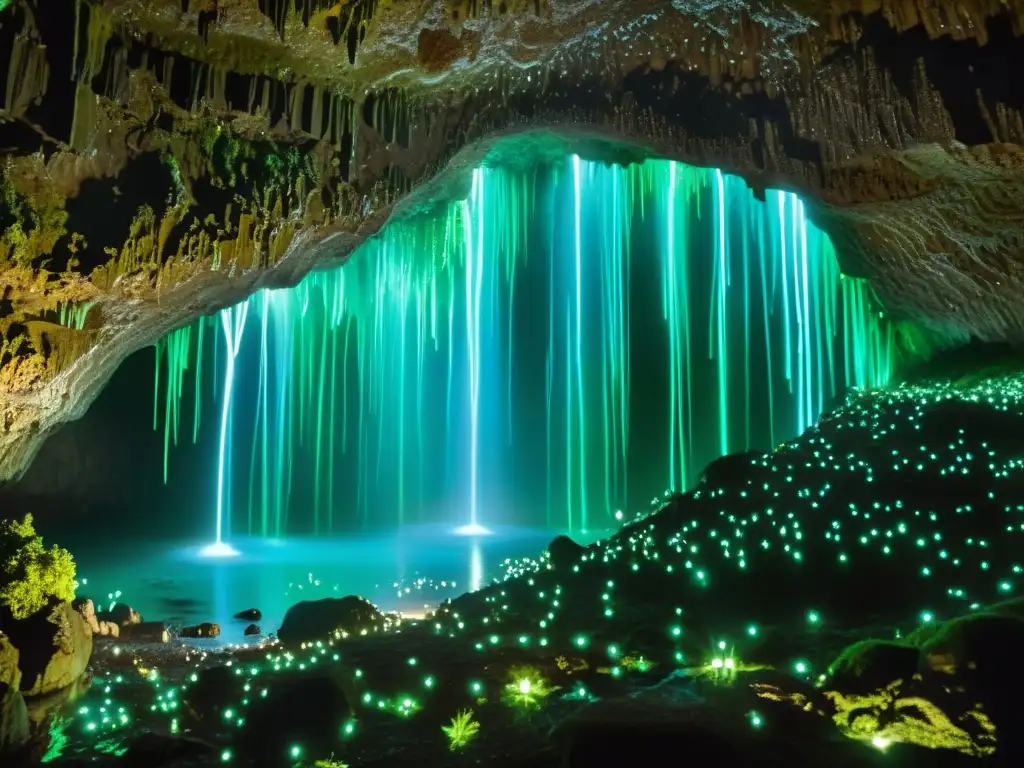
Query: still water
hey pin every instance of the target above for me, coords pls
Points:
(409, 570)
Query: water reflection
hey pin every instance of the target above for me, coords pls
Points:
(411, 571)
(476, 565)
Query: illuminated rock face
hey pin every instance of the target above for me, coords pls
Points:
(167, 158)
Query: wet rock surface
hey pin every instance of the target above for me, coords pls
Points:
(10, 673)
(120, 614)
(54, 647)
(314, 619)
(896, 122)
(662, 638)
(14, 723)
(206, 630)
(146, 632)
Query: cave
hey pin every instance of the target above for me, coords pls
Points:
(533, 383)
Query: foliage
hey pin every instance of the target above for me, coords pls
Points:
(462, 729)
(31, 574)
(527, 688)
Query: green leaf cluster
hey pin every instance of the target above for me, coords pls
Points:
(30, 574)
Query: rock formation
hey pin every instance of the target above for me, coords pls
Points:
(165, 158)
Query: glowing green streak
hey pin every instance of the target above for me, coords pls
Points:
(783, 255)
(549, 379)
(233, 322)
(158, 351)
(579, 342)
(722, 352)
(404, 298)
(767, 274)
(568, 420)
(264, 397)
(318, 489)
(445, 261)
(474, 286)
(670, 312)
(199, 381)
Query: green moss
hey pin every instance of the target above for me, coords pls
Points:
(180, 191)
(31, 221)
(30, 574)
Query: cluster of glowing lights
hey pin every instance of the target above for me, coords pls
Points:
(914, 486)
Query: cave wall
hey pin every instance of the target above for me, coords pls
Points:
(163, 159)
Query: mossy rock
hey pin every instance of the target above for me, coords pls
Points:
(14, 722)
(871, 665)
(54, 646)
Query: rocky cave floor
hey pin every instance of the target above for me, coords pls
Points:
(850, 598)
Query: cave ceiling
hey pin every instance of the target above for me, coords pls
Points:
(162, 159)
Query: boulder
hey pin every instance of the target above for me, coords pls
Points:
(217, 690)
(146, 632)
(251, 630)
(304, 708)
(565, 552)
(54, 647)
(121, 614)
(87, 609)
(205, 629)
(252, 614)
(317, 619)
(871, 665)
(14, 723)
(110, 629)
(723, 471)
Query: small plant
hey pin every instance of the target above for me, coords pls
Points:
(527, 688)
(30, 574)
(330, 763)
(462, 729)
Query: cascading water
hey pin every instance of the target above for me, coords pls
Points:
(560, 345)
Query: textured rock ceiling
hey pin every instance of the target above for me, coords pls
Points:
(164, 158)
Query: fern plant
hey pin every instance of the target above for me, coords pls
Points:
(462, 729)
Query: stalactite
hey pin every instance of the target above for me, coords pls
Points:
(27, 75)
